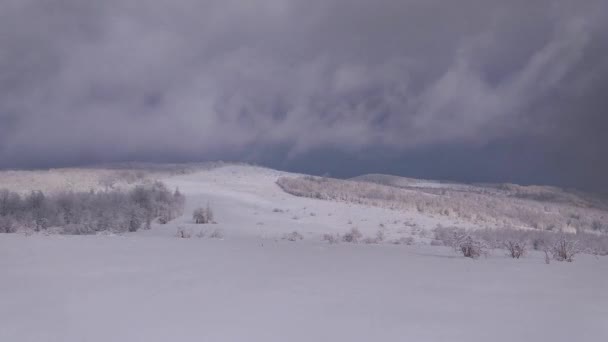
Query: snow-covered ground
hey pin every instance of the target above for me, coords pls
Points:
(104, 288)
(254, 286)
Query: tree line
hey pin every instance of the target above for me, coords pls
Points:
(90, 212)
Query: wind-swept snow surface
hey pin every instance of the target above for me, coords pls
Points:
(103, 288)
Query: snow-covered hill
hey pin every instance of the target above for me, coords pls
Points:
(247, 202)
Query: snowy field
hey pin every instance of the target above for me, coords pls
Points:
(252, 285)
(103, 288)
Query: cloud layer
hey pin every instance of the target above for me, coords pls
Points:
(189, 80)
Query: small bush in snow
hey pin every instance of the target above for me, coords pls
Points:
(353, 236)
(380, 236)
(592, 243)
(564, 249)
(374, 240)
(404, 241)
(516, 249)
(293, 236)
(547, 258)
(466, 244)
(77, 229)
(331, 238)
(444, 236)
(370, 241)
(538, 243)
(217, 234)
(597, 225)
(183, 233)
(203, 215)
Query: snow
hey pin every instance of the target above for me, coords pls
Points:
(244, 200)
(133, 288)
(253, 286)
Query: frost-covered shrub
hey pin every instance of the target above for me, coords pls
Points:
(444, 235)
(374, 240)
(495, 206)
(7, 225)
(293, 236)
(565, 248)
(380, 236)
(217, 234)
(77, 229)
(203, 215)
(469, 246)
(538, 243)
(331, 238)
(435, 242)
(353, 236)
(183, 233)
(10, 203)
(369, 240)
(516, 241)
(598, 226)
(516, 249)
(461, 241)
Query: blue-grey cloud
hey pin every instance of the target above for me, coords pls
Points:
(190, 80)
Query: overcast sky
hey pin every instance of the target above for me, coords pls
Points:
(471, 90)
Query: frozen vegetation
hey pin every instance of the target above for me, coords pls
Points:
(234, 255)
(89, 212)
(493, 206)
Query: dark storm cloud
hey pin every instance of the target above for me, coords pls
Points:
(188, 80)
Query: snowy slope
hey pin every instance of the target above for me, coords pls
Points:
(247, 202)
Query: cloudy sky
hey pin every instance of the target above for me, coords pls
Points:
(471, 90)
